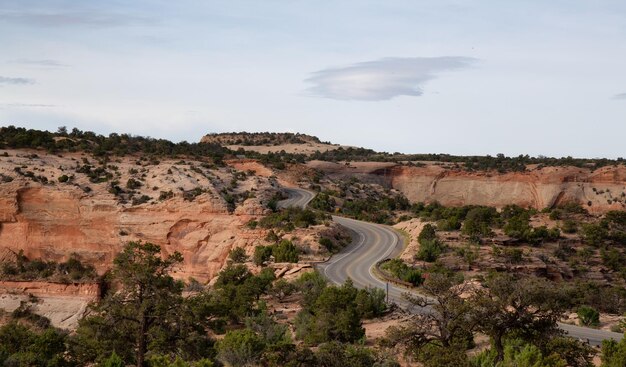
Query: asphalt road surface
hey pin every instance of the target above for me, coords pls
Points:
(297, 197)
(374, 242)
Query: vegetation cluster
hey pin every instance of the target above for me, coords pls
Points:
(499, 163)
(144, 319)
(288, 219)
(259, 138)
(24, 269)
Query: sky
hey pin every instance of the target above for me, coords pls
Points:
(459, 77)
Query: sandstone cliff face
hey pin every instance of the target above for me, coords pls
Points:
(604, 189)
(52, 221)
(63, 304)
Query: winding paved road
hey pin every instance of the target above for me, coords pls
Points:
(374, 242)
(296, 197)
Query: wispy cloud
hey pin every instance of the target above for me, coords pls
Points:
(68, 19)
(620, 96)
(45, 63)
(16, 81)
(382, 79)
(26, 105)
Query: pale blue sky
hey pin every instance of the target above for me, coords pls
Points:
(458, 77)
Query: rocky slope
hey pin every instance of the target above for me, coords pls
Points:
(53, 220)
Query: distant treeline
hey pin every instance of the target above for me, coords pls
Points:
(259, 138)
(499, 163)
(116, 144)
(123, 144)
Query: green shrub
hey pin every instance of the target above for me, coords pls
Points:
(271, 236)
(435, 356)
(323, 201)
(371, 209)
(605, 298)
(518, 226)
(24, 269)
(190, 195)
(594, 234)
(430, 250)
(557, 352)
(240, 348)
(449, 224)
(402, 271)
(238, 255)
(327, 243)
(339, 354)
(428, 233)
(588, 316)
(290, 218)
(22, 346)
(332, 316)
(158, 360)
(569, 226)
(310, 285)
(262, 254)
(164, 195)
(141, 200)
(285, 251)
(133, 184)
(479, 220)
(76, 269)
(573, 208)
(613, 259)
(370, 302)
(113, 361)
(556, 214)
(613, 353)
(282, 289)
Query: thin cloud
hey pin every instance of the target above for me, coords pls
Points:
(46, 63)
(26, 105)
(69, 19)
(15, 81)
(382, 79)
(620, 96)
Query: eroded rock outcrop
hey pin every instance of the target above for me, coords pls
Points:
(183, 208)
(598, 190)
(52, 223)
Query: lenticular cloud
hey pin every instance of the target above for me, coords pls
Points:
(382, 79)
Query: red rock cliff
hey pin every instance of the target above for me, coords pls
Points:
(51, 223)
(604, 189)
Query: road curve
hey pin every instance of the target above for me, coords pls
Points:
(374, 242)
(296, 198)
